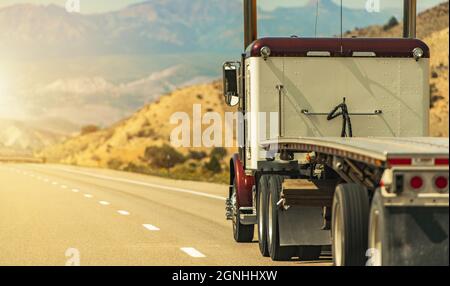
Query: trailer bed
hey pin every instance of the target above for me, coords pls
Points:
(377, 151)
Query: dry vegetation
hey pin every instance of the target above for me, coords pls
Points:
(126, 145)
(140, 143)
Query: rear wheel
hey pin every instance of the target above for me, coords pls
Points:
(241, 232)
(350, 225)
(276, 252)
(262, 215)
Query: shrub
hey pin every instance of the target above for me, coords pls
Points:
(144, 133)
(115, 164)
(219, 153)
(391, 23)
(89, 129)
(200, 155)
(96, 158)
(213, 165)
(163, 157)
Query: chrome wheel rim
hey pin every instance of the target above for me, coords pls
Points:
(375, 239)
(260, 216)
(269, 221)
(234, 204)
(338, 240)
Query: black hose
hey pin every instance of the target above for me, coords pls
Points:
(342, 110)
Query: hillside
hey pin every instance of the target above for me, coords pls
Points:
(432, 28)
(133, 143)
(123, 146)
(160, 26)
(99, 68)
(22, 139)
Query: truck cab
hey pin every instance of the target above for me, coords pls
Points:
(334, 148)
(383, 82)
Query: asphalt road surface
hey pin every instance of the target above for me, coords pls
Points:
(64, 215)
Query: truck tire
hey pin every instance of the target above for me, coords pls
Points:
(377, 234)
(276, 252)
(261, 207)
(350, 221)
(241, 232)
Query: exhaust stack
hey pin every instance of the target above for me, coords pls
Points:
(250, 22)
(409, 18)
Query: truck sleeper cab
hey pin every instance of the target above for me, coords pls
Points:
(385, 88)
(333, 149)
(322, 88)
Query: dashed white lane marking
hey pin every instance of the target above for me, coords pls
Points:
(75, 190)
(104, 203)
(151, 227)
(46, 180)
(192, 252)
(54, 183)
(88, 196)
(122, 212)
(63, 187)
(139, 183)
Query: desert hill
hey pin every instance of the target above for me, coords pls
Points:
(123, 146)
(22, 139)
(133, 143)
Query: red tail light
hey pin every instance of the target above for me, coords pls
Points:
(441, 161)
(400, 162)
(416, 182)
(441, 182)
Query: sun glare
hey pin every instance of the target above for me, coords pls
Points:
(4, 85)
(2, 88)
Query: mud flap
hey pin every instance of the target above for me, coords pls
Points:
(417, 236)
(302, 226)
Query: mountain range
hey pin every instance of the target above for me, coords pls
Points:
(164, 26)
(100, 68)
(22, 139)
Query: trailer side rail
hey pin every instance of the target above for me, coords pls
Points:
(379, 152)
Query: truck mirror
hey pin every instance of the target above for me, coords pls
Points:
(231, 82)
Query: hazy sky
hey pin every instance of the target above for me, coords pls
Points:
(94, 6)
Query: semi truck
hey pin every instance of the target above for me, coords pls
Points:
(341, 158)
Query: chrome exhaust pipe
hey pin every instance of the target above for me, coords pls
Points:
(409, 18)
(250, 22)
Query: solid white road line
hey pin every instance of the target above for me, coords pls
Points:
(151, 227)
(123, 212)
(139, 183)
(104, 203)
(192, 252)
(88, 196)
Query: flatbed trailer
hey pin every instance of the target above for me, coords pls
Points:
(333, 149)
(407, 184)
(404, 179)
(370, 150)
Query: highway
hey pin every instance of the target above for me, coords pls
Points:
(64, 215)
